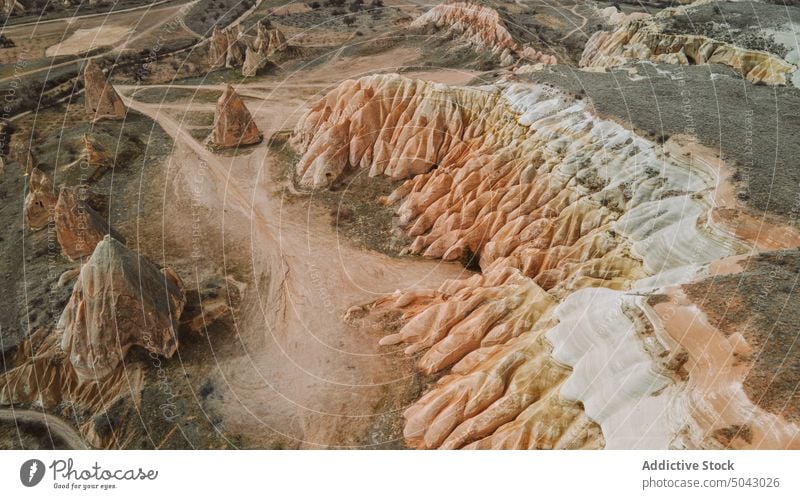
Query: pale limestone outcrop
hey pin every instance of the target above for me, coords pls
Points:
(481, 27)
(120, 300)
(550, 199)
(680, 384)
(643, 40)
(40, 201)
(102, 101)
(233, 123)
(78, 227)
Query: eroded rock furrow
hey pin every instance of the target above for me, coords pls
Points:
(567, 213)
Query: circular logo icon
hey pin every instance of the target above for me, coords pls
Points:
(31, 472)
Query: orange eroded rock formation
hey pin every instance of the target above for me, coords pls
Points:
(481, 27)
(500, 391)
(233, 124)
(119, 300)
(102, 100)
(551, 199)
(233, 49)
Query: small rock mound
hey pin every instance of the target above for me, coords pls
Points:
(233, 123)
(102, 101)
(120, 300)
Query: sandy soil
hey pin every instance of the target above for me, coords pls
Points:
(718, 400)
(294, 367)
(87, 39)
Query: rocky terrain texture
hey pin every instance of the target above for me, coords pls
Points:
(563, 206)
(487, 225)
(657, 39)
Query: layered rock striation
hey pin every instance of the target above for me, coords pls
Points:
(480, 27)
(569, 216)
(643, 40)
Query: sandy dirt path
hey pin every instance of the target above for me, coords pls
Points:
(294, 371)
